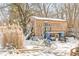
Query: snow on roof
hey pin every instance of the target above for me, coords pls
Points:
(43, 18)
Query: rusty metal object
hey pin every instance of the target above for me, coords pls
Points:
(74, 52)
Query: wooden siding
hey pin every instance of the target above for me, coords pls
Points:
(56, 26)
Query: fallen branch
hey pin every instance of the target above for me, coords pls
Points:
(34, 49)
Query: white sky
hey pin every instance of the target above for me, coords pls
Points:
(39, 1)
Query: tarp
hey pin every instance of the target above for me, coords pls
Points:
(48, 37)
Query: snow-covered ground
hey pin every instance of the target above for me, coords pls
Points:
(64, 48)
(57, 48)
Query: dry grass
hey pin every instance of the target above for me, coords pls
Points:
(12, 35)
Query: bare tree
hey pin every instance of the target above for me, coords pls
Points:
(22, 13)
(41, 9)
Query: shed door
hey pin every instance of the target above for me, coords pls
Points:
(46, 29)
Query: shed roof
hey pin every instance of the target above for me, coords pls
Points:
(43, 18)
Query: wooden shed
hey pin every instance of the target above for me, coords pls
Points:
(54, 26)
